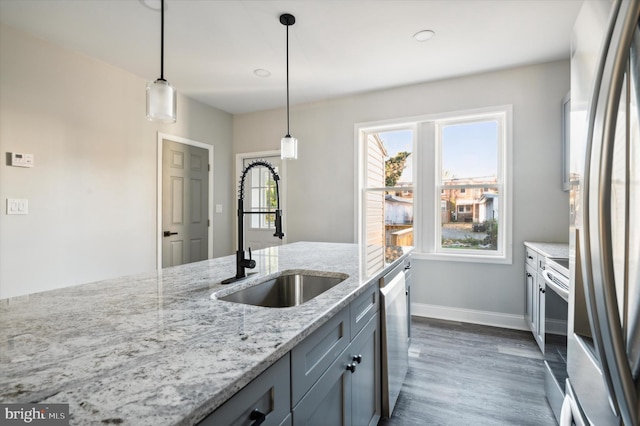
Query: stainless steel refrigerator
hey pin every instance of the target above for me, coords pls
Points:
(603, 347)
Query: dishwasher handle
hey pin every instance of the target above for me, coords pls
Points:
(391, 290)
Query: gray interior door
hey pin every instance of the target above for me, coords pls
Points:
(185, 201)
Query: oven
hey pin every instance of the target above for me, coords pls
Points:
(556, 296)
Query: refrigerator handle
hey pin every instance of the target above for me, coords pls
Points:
(598, 217)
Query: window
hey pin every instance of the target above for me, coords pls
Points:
(387, 193)
(461, 200)
(261, 196)
(468, 150)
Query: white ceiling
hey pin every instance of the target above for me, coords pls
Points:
(337, 47)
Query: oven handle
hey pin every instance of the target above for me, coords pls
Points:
(548, 277)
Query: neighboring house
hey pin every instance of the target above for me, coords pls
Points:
(398, 210)
(469, 204)
(486, 208)
(398, 218)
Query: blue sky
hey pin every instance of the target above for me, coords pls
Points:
(397, 141)
(469, 150)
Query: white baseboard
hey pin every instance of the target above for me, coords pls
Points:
(495, 319)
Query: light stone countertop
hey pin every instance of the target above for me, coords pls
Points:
(154, 348)
(553, 250)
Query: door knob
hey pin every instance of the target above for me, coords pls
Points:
(169, 233)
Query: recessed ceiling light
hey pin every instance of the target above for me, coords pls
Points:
(261, 72)
(423, 35)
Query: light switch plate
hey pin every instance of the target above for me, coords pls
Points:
(17, 206)
(218, 208)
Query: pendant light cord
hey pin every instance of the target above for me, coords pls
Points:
(288, 131)
(162, 40)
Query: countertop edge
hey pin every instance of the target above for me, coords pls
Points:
(552, 250)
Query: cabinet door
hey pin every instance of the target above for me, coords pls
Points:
(329, 400)
(311, 357)
(365, 383)
(531, 289)
(269, 394)
(540, 297)
(363, 308)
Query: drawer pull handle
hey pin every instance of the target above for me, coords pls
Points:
(529, 275)
(258, 416)
(357, 358)
(351, 367)
(530, 257)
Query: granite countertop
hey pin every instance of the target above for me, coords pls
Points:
(553, 250)
(155, 348)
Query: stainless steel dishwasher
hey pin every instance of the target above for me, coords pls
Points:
(394, 338)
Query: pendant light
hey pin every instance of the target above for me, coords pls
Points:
(288, 144)
(161, 96)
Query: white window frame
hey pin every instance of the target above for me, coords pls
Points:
(426, 191)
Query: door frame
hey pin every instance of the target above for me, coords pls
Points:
(185, 141)
(240, 157)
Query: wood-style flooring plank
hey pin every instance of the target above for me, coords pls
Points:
(468, 374)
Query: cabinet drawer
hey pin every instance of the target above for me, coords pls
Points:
(311, 358)
(363, 308)
(268, 393)
(531, 257)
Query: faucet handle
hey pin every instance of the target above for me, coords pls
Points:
(250, 263)
(279, 232)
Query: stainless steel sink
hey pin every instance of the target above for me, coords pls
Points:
(286, 290)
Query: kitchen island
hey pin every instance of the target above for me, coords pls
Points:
(155, 348)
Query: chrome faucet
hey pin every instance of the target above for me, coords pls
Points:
(243, 263)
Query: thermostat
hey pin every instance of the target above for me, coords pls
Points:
(21, 160)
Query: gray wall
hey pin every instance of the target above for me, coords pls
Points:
(92, 192)
(321, 183)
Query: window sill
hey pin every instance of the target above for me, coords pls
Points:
(469, 258)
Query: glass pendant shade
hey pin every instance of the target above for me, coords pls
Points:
(289, 148)
(161, 101)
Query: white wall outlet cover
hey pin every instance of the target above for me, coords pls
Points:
(17, 206)
(218, 208)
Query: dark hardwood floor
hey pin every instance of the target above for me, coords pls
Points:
(467, 374)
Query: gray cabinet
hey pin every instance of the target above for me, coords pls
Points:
(329, 400)
(531, 302)
(365, 380)
(311, 357)
(348, 393)
(408, 279)
(540, 301)
(535, 294)
(332, 377)
(268, 395)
